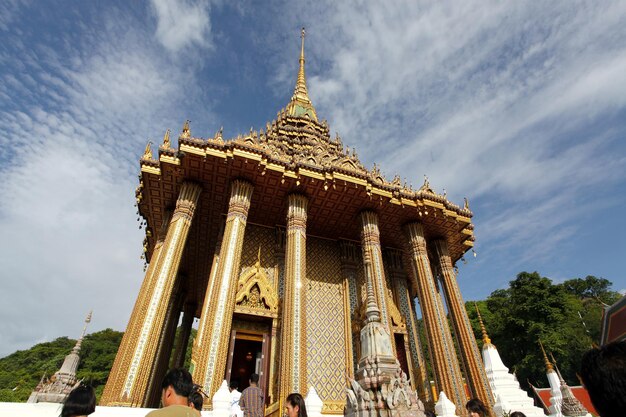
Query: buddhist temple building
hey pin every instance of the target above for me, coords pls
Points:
(286, 247)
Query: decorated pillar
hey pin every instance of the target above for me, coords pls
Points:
(370, 242)
(293, 332)
(210, 349)
(474, 368)
(128, 381)
(352, 325)
(406, 304)
(445, 364)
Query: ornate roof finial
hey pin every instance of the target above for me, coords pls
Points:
(186, 132)
(549, 367)
(466, 203)
(147, 153)
(166, 140)
(300, 104)
(258, 258)
(486, 339)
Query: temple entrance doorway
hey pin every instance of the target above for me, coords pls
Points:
(249, 353)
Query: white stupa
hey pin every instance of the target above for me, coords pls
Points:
(507, 391)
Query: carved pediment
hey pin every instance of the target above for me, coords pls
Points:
(255, 293)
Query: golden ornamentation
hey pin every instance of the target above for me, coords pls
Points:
(167, 144)
(445, 364)
(129, 377)
(472, 362)
(147, 153)
(209, 359)
(293, 332)
(255, 293)
(186, 133)
(326, 348)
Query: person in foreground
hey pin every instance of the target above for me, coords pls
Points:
(295, 405)
(235, 395)
(476, 408)
(603, 373)
(196, 399)
(176, 387)
(517, 414)
(252, 400)
(81, 401)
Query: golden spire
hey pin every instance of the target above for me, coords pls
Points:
(186, 132)
(147, 153)
(549, 367)
(300, 104)
(166, 140)
(486, 339)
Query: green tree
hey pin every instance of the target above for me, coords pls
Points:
(21, 371)
(534, 309)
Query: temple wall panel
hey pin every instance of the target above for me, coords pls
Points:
(326, 349)
(263, 238)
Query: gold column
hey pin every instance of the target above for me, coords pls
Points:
(210, 348)
(128, 380)
(293, 327)
(370, 242)
(474, 368)
(348, 256)
(445, 364)
(419, 377)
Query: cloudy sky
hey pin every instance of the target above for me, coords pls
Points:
(519, 106)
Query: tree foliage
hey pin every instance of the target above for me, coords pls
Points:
(565, 317)
(21, 371)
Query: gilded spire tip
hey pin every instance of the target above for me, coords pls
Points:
(549, 367)
(300, 104)
(486, 339)
(147, 153)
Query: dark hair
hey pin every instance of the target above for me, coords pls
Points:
(296, 399)
(517, 414)
(234, 384)
(429, 413)
(197, 400)
(602, 373)
(81, 401)
(477, 406)
(180, 380)
(254, 378)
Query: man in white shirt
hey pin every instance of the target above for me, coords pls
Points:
(235, 410)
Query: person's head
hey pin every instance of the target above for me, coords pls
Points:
(196, 400)
(602, 373)
(476, 408)
(517, 414)
(429, 413)
(295, 405)
(234, 385)
(177, 386)
(254, 379)
(81, 401)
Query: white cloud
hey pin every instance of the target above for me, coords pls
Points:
(74, 130)
(182, 23)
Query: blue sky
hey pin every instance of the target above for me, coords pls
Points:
(519, 106)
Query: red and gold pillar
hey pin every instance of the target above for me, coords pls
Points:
(473, 364)
(128, 381)
(293, 331)
(210, 348)
(448, 377)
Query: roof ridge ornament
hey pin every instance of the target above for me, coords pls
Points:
(300, 104)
